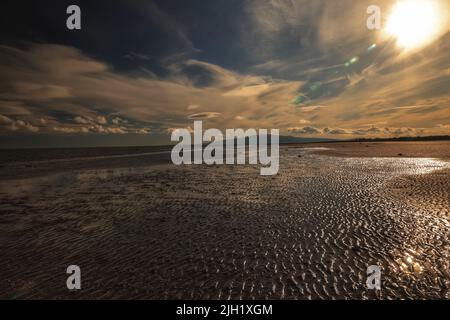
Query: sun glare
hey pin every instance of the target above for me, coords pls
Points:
(415, 23)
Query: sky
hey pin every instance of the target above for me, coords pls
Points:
(139, 69)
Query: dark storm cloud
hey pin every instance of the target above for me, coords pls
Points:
(111, 30)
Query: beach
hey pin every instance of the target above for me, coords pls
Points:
(141, 228)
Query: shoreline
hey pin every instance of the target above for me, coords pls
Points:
(30, 164)
(401, 149)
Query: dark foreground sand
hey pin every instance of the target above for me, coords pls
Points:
(141, 228)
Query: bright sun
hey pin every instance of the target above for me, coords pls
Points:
(415, 23)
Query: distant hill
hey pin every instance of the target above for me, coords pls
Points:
(290, 139)
(426, 138)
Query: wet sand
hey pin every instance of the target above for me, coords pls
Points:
(141, 228)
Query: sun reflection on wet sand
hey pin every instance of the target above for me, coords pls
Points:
(408, 265)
